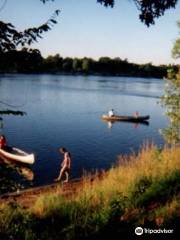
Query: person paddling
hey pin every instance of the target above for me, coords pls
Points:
(3, 142)
(111, 113)
(65, 165)
(136, 114)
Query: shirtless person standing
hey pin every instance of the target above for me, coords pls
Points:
(65, 165)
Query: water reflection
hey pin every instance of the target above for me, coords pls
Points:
(14, 176)
(1, 123)
(134, 124)
(21, 169)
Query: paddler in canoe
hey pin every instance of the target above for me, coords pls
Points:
(12, 153)
(136, 114)
(111, 113)
(133, 118)
(3, 142)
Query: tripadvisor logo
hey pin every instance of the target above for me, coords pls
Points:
(139, 231)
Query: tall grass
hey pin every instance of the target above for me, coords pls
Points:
(150, 163)
(140, 189)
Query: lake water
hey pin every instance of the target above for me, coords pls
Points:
(66, 111)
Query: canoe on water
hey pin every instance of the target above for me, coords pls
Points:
(126, 118)
(17, 155)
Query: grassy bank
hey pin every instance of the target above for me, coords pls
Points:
(141, 190)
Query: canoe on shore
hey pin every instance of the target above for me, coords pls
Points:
(126, 118)
(18, 155)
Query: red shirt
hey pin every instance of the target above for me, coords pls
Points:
(2, 142)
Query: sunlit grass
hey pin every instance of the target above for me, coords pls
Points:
(141, 189)
(150, 163)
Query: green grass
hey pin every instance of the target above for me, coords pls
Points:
(142, 190)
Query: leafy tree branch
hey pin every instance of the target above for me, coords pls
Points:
(171, 99)
(11, 38)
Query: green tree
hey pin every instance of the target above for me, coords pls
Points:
(149, 9)
(77, 65)
(67, 64)
(52, 63)
(176, 48)
(86, 64)
(10, 38)
(171, 99)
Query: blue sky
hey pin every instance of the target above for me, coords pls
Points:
(86, 28)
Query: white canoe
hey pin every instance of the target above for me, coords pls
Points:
(18, 155)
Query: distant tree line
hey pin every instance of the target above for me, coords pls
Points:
(31, 61)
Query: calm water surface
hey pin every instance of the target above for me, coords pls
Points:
(66, 111)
